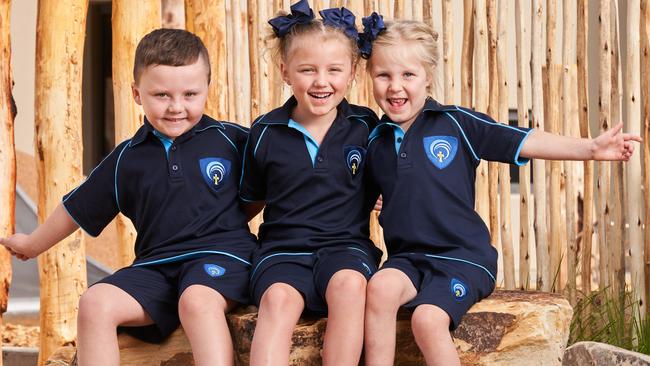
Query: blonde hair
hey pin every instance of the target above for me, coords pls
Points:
(420, 37)
(282, 46)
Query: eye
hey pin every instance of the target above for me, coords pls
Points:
(409, 74)
(161, 95)
(190, 94)
(306, 70)
(381, 75)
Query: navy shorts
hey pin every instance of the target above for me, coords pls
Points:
(157, 288)
(309, 273)
(451, 285)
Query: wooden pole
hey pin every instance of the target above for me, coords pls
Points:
(586, 234)
(173, 14)
(553, 67)
(571, 125)
(131, 21)
(633, 107)
(400, 11)
(523, 77)
(539, 168)
(615, 231)
(240, 57)
(448, 51)
(7, 153)
(60, 31)
(206, 18)
(386, 9)
(645, 146)
(504, 169)
(493, 110)
(604, 96)
(467, 55)
(418, 9)
(481, 99)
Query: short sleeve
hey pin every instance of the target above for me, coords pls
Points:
(252, 186)
(93, 204)
(490, 140)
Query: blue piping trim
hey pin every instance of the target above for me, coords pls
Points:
(275, 255)
(367, 268)
(259, 140)
(360, 250)
(192, 254)
(490, 123)
(244, 129)
(524, 161)
(117, 165)
(464, 136)
(229, 140)
(362, 121)
(463, 261)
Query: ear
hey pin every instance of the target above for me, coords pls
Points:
(285, 73)
(353, 74)
(136, 93)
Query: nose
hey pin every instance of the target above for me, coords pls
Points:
(175, 106)
(394, 85)
(321, 79)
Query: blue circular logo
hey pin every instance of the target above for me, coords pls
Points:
(214, 270)
(458, 289)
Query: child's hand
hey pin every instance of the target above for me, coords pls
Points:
(18, 245)
(379, 204)
(614, 145)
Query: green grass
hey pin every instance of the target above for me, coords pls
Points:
(606, 317)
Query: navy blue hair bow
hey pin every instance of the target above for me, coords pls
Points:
(340, 18)
(372, 26)
(301, 13)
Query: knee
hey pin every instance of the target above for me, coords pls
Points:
(94, 306)
(199, 302)
(430, 321)
(380, 295)
(347, 284)
(280, 297)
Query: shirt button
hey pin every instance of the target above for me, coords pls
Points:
(174, 167)
(320, 159)
(402, 155)
(399, 139)
(174, 148)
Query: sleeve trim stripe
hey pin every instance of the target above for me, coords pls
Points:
(491, 123)
(259, 140)
(117, 166)
(518, 161)
(471, 149)
(229, 140)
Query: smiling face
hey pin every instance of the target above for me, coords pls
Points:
(173, 97)
(319, 71)
(399, 82)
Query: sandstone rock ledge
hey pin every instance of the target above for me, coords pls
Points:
(508, 328)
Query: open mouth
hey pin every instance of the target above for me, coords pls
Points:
(320, 96)
(397, 102)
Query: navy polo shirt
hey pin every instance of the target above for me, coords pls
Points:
(315, 195)
(181, 195)
(426, 177)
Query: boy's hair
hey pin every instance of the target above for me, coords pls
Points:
(280, 49)
(169, 47)
(419, 36)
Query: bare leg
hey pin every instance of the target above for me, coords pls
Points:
(346, 300)
(388, 289)
(430, 325)
(202, 311)
(101, 309)
(280, 309)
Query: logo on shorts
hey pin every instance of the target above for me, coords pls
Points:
(354, 156)
(215, 171)
(440, 150)
(458, 289)
(214, 270)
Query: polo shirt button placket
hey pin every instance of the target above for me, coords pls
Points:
(320, 159)
(402, 155)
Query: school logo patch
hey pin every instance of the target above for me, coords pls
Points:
(440, 150)
(215, 171)
(354, 157)
(214, 270)
(459, 289)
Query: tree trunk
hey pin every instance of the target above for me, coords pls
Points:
(493, 111)
(523, 77)
(586, 235)
(448, 52)
(482, 83)
(645, 145)
(539, 168)
(173, 14)
(7, 154)
(61, 27)
(635, 195)
(604, 92)
(467, 56)
(207, 19)
(131, 20)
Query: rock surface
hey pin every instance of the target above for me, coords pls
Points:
(508, 328)
(594, 353)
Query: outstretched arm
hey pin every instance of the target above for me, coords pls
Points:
(57, 226)
(610, 145)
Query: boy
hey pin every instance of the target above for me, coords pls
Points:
(177, 180)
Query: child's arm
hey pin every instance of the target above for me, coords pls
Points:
(57, 226)
(610, 145)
